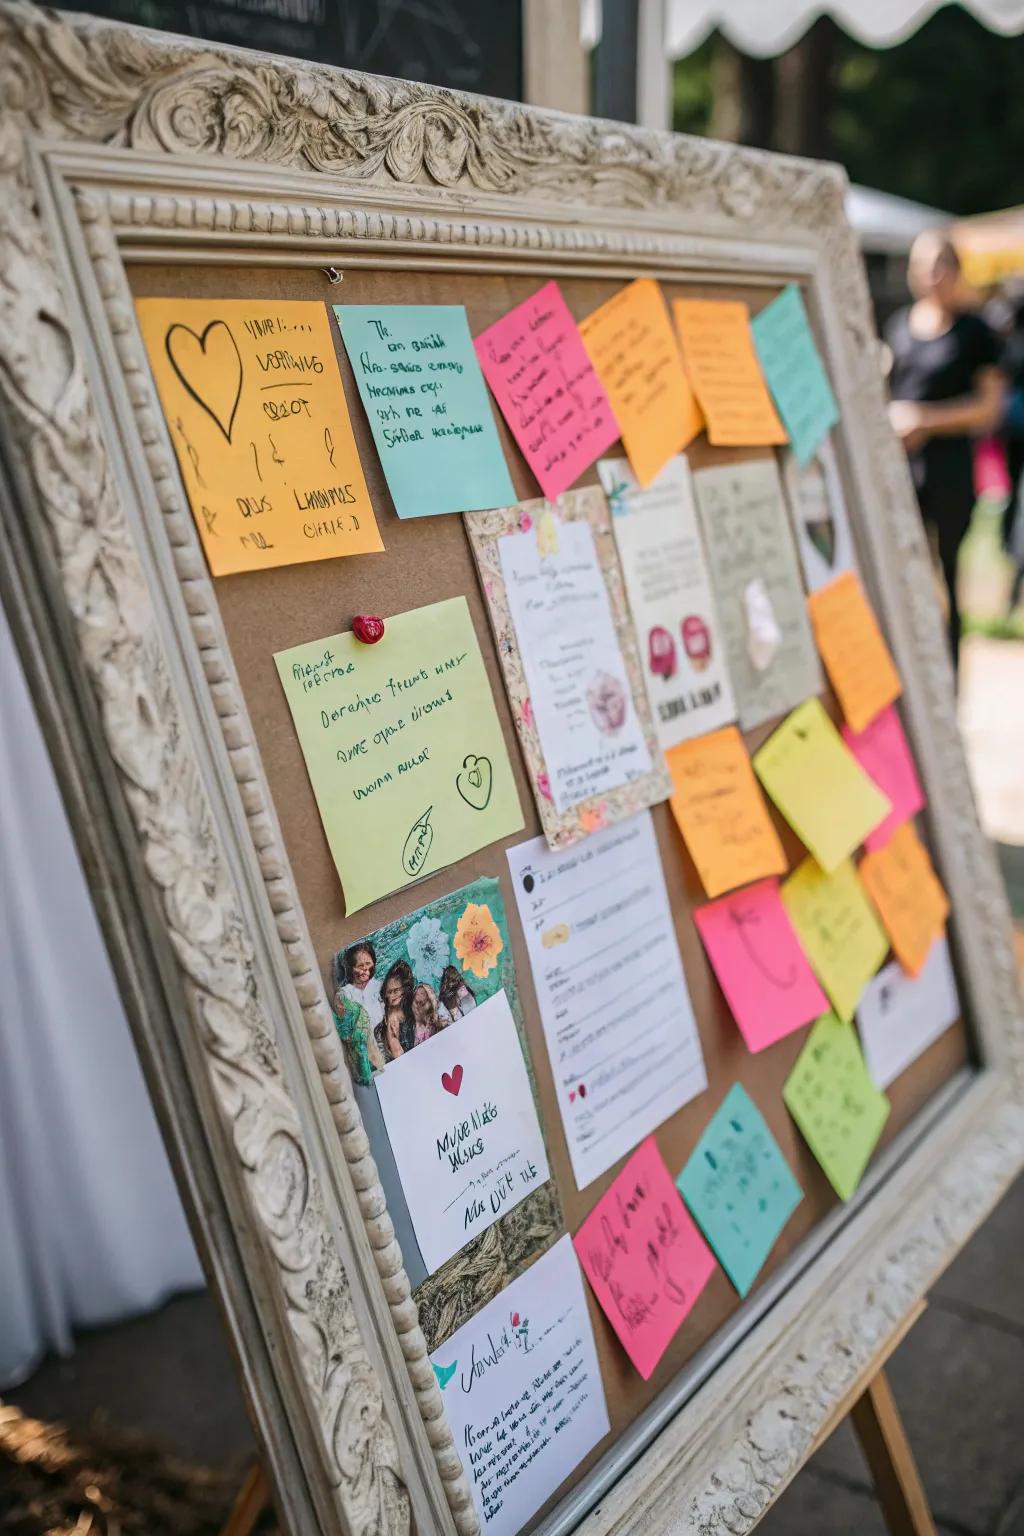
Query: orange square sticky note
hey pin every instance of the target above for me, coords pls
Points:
(906, 891)
(636, 356)
(723, 367)
(721, 812)
(853, 649)
(257, 414)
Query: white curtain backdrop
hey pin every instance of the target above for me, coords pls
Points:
(91, 1226)
(764, 28)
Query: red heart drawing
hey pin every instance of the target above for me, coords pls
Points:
(515, 1319)
(572, 1094)
(583, 1090)
(451, 1081)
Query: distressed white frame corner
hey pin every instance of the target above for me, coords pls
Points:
(117, 144)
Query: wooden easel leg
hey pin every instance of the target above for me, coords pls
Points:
(883, 1440)
(253, 1498)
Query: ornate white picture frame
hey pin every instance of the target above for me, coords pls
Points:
(118, 144)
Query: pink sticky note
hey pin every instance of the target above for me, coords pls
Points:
(884, 753)
(644, 1257)
(760, 964)
(542, 378)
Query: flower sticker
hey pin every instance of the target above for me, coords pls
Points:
(592, 817)
(478, 941)
(428, 949)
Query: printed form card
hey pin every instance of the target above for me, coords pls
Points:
(739, 1187)
(669, 591)
(855, 654)
(463, 1127)
(618, 1022)
(718, 350)
(257, 414)
(900, 1016)
(840, 1112)
(720, 810)
(760, 966)
(907, 894)
(794, 371)
(838, 929)
(815, 494)
(542, 378)
(522, 1391)
(634, 349)
(646, 1262)
(403, 747)
(427, 405)
(884, 753)
(819, 786)
(758, 595)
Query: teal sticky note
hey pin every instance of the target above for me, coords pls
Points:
(427, 405)
(739, 1188)
(794, 372)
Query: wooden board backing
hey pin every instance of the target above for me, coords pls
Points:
(429, 559)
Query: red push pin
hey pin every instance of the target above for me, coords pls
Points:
(367, 628)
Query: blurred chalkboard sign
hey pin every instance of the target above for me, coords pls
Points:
(460, 43)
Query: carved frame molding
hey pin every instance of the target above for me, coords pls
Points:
(118, 142)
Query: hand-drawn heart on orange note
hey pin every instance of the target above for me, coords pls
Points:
(210, 367)
(451, 1081)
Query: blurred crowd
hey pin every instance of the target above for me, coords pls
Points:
(956, 378)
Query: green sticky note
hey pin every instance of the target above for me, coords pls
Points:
(739, 1187)
(831, 1097)
(836, 924)
(819, 786)
(794, 371)
(403, 747)
(427, 405)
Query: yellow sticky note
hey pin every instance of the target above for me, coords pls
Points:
(723, 367)
(403, 746)
(853, 649)
(721, 813)
(636, 356)
(819, 786)
(904, 887)
(258, 417)
(838, 929)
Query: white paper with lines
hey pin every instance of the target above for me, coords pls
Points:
(619, 1025)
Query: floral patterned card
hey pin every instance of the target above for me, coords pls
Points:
(556, 598)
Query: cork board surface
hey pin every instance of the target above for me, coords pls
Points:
(427, 560)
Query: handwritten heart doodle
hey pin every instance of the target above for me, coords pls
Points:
(572, 1095)
(444, 1373)
(451, 1081)
(475, 781)
(210, 367)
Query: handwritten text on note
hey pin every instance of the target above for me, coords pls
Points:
(542, 378)
(838, 929)
(905, 889)
(646, 1262)
(718, 349)
(840, 1112)
(853, 649)
(795, 372)
(720, 810)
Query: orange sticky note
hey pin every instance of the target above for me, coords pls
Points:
(723, 367)
(721, 812)
(905, 889)
(853, 649)
(636, 356)
(257, 414)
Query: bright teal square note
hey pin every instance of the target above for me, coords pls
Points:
(739, 1187)
(794, 372)
(428, 406)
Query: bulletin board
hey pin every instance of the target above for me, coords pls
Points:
(427, 560)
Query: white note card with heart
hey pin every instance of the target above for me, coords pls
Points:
(463, 1127)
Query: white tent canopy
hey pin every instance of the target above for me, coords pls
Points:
(764, 28)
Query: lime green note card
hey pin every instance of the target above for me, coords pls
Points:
(831, 1097)
(836, 924)
(403, 747)
(819, 786)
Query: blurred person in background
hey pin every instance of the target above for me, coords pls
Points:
(947, 388)
(1013, 435)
